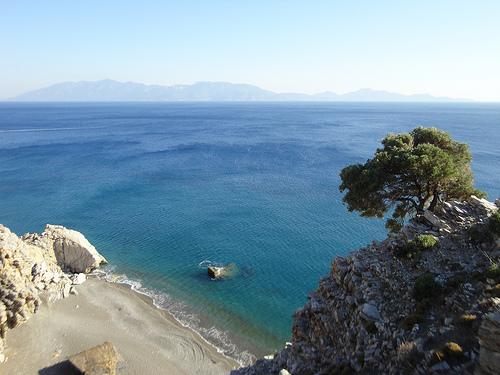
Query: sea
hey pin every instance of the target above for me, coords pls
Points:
(165, 189)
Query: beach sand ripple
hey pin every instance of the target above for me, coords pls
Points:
(149, 340)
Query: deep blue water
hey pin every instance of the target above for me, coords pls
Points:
(164, 189)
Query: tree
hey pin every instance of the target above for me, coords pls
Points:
(412, 173)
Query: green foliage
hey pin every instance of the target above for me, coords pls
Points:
(426, 287)
(411, 249)
(493, 272)
(414, 248)
(494, 223)
(479, 234)
(426, 241)
(412, 172)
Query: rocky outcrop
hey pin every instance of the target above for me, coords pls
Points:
(222, 272)
(71, 249)
(489, 338)
(39, 267)
(366, 317)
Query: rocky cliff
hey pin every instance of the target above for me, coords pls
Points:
(414, 303)
(38, 267)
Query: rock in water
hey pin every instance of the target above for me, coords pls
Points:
(214, 272)
(222, 272)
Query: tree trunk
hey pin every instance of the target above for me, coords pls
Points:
(435, 200)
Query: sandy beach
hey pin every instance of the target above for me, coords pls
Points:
(149, 340)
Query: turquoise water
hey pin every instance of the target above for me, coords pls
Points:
(165, 189)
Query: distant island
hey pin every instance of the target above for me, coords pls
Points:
(109, 90)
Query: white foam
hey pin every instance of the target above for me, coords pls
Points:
(213, 336)
(209, 263)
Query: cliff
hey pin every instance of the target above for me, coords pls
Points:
(421, 302)
(38, 267)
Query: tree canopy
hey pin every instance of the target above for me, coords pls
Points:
(412, 173)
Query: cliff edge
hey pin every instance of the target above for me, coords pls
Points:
(40, 267)
(425, 301)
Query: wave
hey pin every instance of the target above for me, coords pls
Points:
(47, 129)
(183, 314)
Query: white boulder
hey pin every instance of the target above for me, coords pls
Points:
(78, 278)
(482, 204)
(72, 249)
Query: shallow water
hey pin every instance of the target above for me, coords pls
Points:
(164, 189)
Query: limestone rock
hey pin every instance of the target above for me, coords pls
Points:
(78, 278)
(31, 271)
(370, 313)
(489, 339)
(482, 204)
(99, 360)
(436, 221)
(73, 250)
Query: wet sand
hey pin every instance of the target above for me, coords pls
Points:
(149, 340)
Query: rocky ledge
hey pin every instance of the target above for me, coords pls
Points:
(38, 267)
(393, 308)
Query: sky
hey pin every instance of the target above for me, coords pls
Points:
(439, 47)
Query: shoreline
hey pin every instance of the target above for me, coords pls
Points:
(149, 339)
(232, 345)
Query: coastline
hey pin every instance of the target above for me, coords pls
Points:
(233, 345)
(149, 339)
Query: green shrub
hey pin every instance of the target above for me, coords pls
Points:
(493, 272)
(494, 223)
(479, 234)
(426, 241)
(415, 247)
(411, 249)
(426, 287)
(476, 234)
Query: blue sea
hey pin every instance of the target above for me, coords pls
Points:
(163, 190)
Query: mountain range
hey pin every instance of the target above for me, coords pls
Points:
(109, 90)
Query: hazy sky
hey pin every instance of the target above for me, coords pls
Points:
(444, 48)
